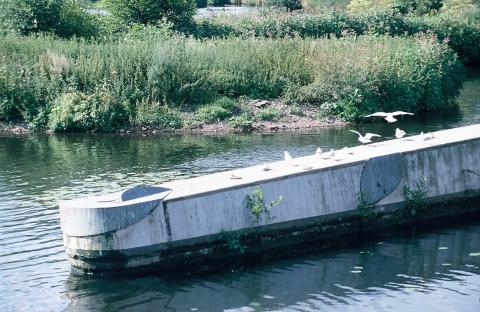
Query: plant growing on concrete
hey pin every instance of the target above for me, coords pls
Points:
(415, 197)
(257, 207)
(233, 240)
(365, 209)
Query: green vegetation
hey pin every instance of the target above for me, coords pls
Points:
(346, 77)
(149, 63)
(415, 197)
(258, 208)
(178, 12)
(366, 210)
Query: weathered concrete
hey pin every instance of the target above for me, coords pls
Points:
(191, 222)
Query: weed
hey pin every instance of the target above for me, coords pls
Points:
(233, 240)
(365, 209)
(257, 207)
(269, 114)
(415, 197)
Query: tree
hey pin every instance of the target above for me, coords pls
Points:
(178, 12)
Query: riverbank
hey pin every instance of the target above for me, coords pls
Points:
(247, 83)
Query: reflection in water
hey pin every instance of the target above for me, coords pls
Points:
(392, 274)
(36, 171)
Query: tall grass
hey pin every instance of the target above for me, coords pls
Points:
(462, 36)
(79, 85)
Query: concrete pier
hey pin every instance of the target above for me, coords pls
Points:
(253, 210)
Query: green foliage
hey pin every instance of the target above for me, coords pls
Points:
(463, 37)
(75, 21)
(30, 15)
(216, 111)
(365, 209)
(346, 77)
(340, 24)
(258, 208)
(233, 240)
(178, 12)
(77, 111)
(243, 123)
(415, 197)
(157, 115)
(269, 114)
(287, 4)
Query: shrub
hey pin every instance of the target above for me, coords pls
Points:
(288, 4)
(75, 21)
(77, 111)
(216, 111)
(242, 123)
(30, 15)
(178, 12)
(269, 114)
(156, 114)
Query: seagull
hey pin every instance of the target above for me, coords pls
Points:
(399, 133)
(318, 152)
(331, 153)
(389, 116)
(287, 156)
(367, 138)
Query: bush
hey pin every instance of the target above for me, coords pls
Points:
(75, 21)
(347, 77)
(77, 111)
(178, 12)
(156, 114)
(269, 114)
(26, 16)
(216, 111)
(461, 36)
(242, 123)
(288, 4)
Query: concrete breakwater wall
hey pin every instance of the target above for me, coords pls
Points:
(250, 210)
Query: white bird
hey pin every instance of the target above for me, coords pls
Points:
(331, 153)
(399, 133)
(287, 156)
(389, 116)
(367, 138)
(318, 152)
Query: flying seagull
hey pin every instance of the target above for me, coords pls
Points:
(367, 138)
(389, 116)
(399, 133)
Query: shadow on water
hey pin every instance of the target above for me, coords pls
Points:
(388, 271)
(38, 170)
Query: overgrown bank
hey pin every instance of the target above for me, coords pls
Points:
(74, 85)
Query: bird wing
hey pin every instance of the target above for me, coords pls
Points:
(401, 113)
(359, 134)
(368, 136)
(377, 114)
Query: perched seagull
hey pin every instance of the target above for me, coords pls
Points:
(389, 116)
(399, 133)
(287, 156)
(367, 138)
(266, 167)
(331, 153)
(318, 152)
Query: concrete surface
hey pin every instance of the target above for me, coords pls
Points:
(201, 209)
